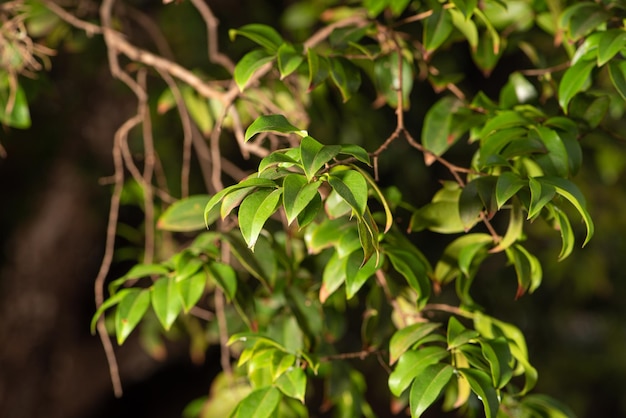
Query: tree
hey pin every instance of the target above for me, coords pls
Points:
(321, 266)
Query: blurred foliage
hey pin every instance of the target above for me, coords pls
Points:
(392, 187)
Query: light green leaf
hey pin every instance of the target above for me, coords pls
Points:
(293, 383)
(503, 120)
(130, 311)
(233, 199)
(411, 364)
(136, 272)
(191, 289)
(515, 229)
(611, 42)
(556, 157)
(617, 72)
(375, 7)
(314, 155)
(427, 387)
(381, 198)
(345, 76)
(527, 268)
(184, 215)
(583, 17)
(357, 273)
(458, 335)
(466, 7)
(18, 116)
(574, 81)
(540, 195)
(297, 195)
(280, 158)
(437, 133)
(437, 28)
(166, 301)
(263, 35)
(199, 110)
(398, 6)
(254, 211)
(260, 403)
(309, 213)
(355, 151)
(352, 187)
(212, 209)
(450, 262)
(108, 303)
(469, 252)
(225, 277)
(289, 59)
(470, 204)
(562, 223)
(333, 277)
(465, 25)
(569, 191)
(442, 217)
(248, 65)
(405, 338)
(272, 123)
(481, 385)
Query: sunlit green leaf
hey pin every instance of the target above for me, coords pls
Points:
(540, 195)
(497, 353)
(427, 387)
(289, 59)
(573, 81)
(357, 273)
(466, 7)
(272, 123)
(191, 289)
(184, 215)
(248, 65)
(413, 270)
(319, 69)
(293, 383)
(260, 403)
(411, 364)
(465, 25)
(136, 272)
(199, 110)
(352, 187)
(617, 72)
(130, 311)
(481, 385)
(264, 35)
(405, 338)
(17, 115)
(212, 208)
(255, 210)
(333, 277)
(314, 155)
(297, 195)
(611, 42)
(166, 301)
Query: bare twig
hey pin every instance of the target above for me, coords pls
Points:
(212, 23)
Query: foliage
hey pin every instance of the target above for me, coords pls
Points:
(310, 261)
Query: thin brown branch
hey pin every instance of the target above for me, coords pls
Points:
(361, 355)
(202, 313)
(212, 23)
(325, 32)
(542, 71)
(442, 307)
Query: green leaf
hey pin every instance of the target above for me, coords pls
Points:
(248, 65)
(314, 155)
(458, 335)
(411, 364)
(272, 123)
(18, 116)
(503, 120)
(130, 311)
(184, 215)
(345, 76)
(254, 211)
(263, 35)
(540, 195)
(515, 229)
(469, 252)
(319, 69)
(234, 199)
(497, 353)
(326, 234)
(427, 387)
(470, 204)
(569, 191)
(582, 18)
(108, 303)
(617, 72)
(355, 151)
(413, 270)
(381, 198)
(442, 217)
(507, 186)
(492, 146)
(562, 223)
(191, 289)
(368, 235)
(293, 383)
(465, 25)
(309, 213)
(166, 301)
(405, 338)
(357, 273)
(398, 6)
(450, 262)
(297, 195)
(225, 277)
(556, 156)
(352, 187)
(333, 277)
(388, 82)
(590, 107)
(612, 41)
(136, 272)
(260, 403)
(375, 7)
(437, 28)
(488, 52)
(289, 59)
(199, 110)
(574, 81)
(437, 133)
(212, 209)
(527, 268)
(481, 385)
(466, 7)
